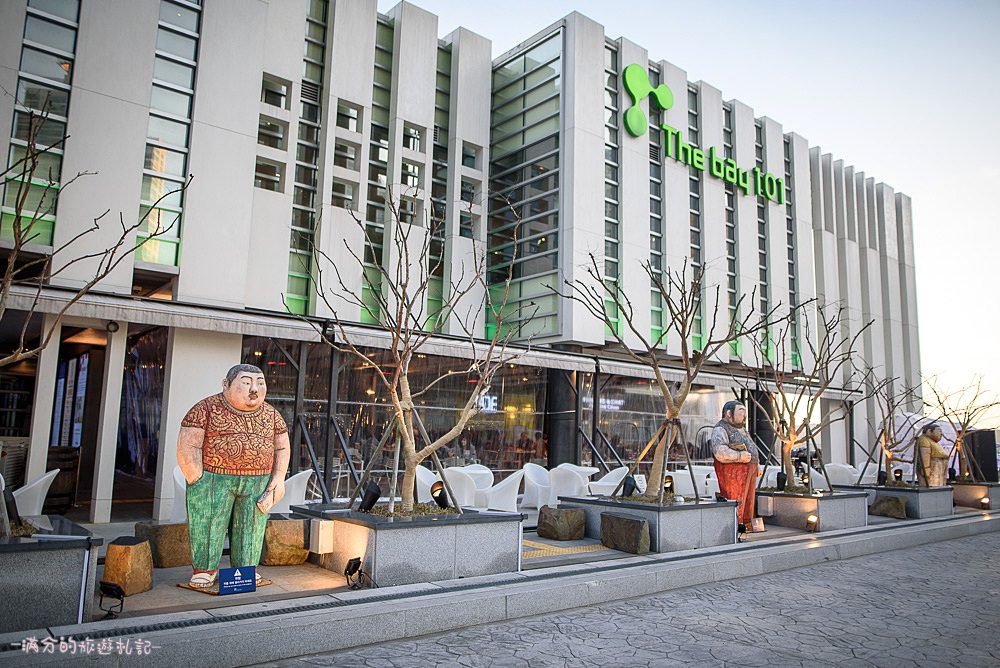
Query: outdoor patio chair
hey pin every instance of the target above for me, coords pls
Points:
(606, 485)
(462, 485)
(565, 482)
(481, 475)
(178, 514)
(425, 478)
(682, 483)
(31, 497)
(583, 471)
(536, 486)
(501, 496)
(842, 474)
(295, 492)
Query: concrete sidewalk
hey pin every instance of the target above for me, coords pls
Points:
(247, 634)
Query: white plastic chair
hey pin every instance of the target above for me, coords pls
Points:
(606, 485)
(501, 496)
(425, 478)
(565, 482)
(462, 486)
(295, 492)
(682, 484)
(842, 474)
(178, 514)
(31, 497)
(537, 486)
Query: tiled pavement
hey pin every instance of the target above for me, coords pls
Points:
(936, 604)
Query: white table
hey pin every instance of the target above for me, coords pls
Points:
(483, 478)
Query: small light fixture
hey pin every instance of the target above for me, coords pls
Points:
(355, 576)
(805, 478)
(370, 498)
(668, 484)
(629, 486)
(882, 478)
(812, 523)
(782, 480)
(438, 494)
(984, 503)
(112, 326)
(897, 475)
(114, 592)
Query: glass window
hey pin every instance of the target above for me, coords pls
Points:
(271, 133)
(274, 92)
(345, 155)
(66, 9)
(154, 188)
(168, 132)
(46, 65)
(412, 138)
(47, 131)
(170, 102)
(176, 44)
(410, 175)
(175, 73)
(50, 34)
(347, 117)
(267, 176)
(47, 169)
(165, 161)
(36, 96)
(179, 16)
(470, 155)
(343, 195)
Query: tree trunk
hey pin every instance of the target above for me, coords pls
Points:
(786, 460)
(656, 470)
(963, 461)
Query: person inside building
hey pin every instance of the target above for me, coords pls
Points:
(233, 450)
(933, 467)
(736, 459)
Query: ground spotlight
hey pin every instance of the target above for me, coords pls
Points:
(629, 487)
(114, 592)
(438, 493)
(812, 523)
(668, 484)
(897, 475)
(370, 498)
(882, 478)
(984, 503)
(782, 480)
(355, 576)
(805, 478)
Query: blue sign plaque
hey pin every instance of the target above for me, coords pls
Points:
(237, 580)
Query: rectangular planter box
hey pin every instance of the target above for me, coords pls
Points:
(841, 510)
(921, 502)
(397, 551)
(681, 526)
(969, 494)
(48, 582)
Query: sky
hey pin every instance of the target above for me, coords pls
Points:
(905, 90)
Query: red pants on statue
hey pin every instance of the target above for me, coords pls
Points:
(738, 482)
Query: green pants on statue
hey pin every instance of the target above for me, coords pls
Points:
(218, 503)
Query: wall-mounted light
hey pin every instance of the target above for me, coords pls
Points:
(812, 523)
(112, 326)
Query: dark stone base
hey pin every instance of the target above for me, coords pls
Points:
(628, 533)
(561, 523)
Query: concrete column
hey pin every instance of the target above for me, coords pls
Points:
(197, 363)
(107, 426)
(41, 408)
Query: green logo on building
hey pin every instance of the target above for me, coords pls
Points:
(635, 80)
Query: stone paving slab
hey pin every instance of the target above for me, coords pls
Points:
(933, 604)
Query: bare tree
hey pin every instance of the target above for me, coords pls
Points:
(795, 395)
(684, 303)
(395, 293)
(27, 272)
(963, 409)
(890, 395)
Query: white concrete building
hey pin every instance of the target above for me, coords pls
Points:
(293, 118)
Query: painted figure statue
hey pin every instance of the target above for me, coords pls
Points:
(233, 451)
(736, 460)
(933, 458)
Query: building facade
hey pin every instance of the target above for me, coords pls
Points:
(301, 124)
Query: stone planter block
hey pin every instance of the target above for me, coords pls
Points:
(169, 542)
(921, 502)
(625, 532)
(845, 510)
(421, 549)
(969, 494)
(889, 506)
(681, 526)
(129, 564)
(284, 543)
(561, 523)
